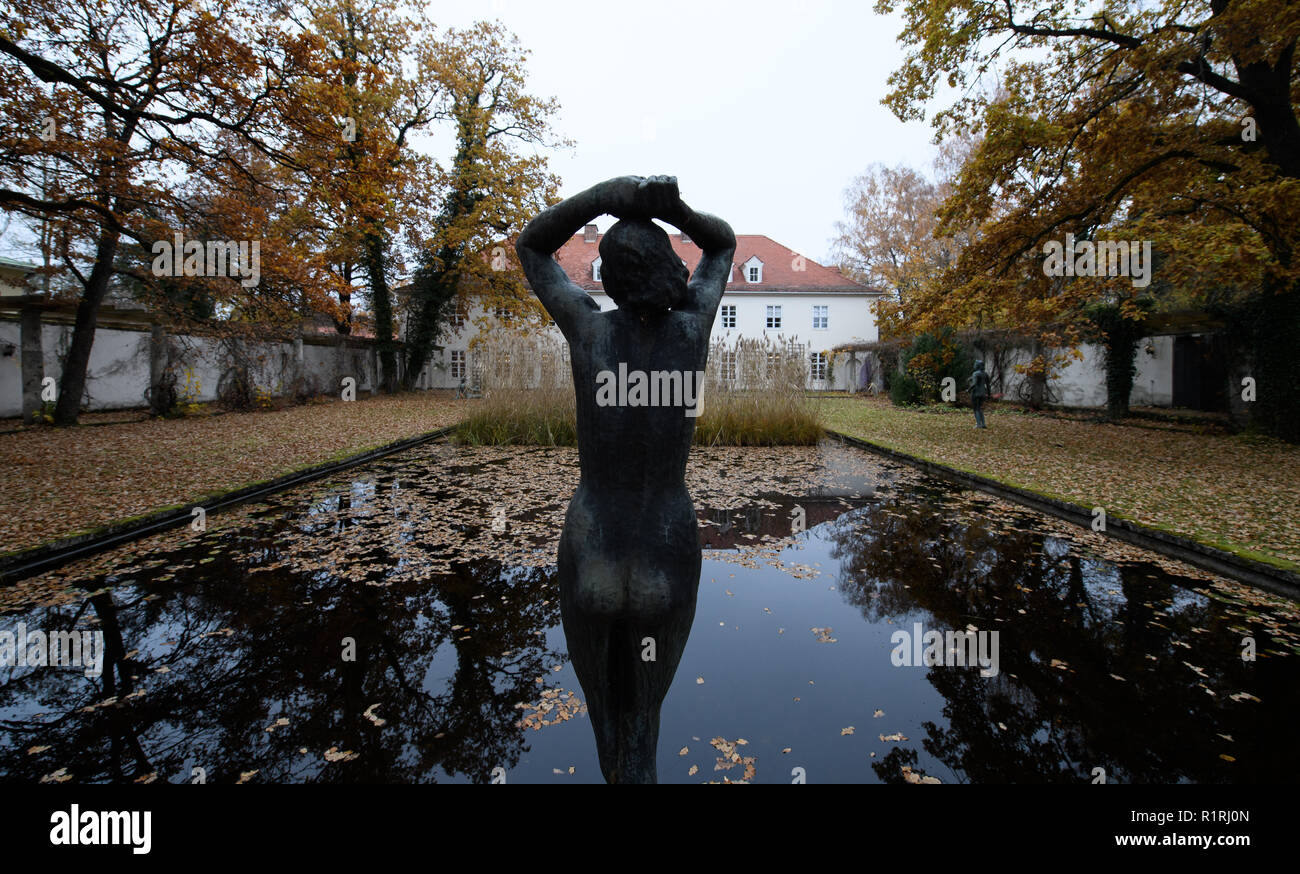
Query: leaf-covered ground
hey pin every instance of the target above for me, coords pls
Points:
(1232, 491)
(61, 481)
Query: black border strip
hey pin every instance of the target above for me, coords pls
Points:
(38, 559)
(1219, 561)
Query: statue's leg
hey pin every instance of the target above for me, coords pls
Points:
(626, 620)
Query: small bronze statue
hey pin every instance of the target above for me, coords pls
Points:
(979, 392)
(629, 554)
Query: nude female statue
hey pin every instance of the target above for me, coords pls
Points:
(629, 555)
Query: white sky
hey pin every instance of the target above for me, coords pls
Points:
(764, 110)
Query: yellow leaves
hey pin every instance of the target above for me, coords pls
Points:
(553, 707)
(911, 776)
(729, 757)
(334, 754)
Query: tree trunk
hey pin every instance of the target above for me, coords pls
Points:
(383, 307)
(1038, 377)
(72, 383)
(1276, 363)
(32, 363)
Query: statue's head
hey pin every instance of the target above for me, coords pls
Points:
(979, 364)
(639, 269)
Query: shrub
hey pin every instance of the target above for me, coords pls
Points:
(904, 390)
(753, 396)
(927, 362)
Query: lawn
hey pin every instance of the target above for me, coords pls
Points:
(117, 466)
(1236, 492)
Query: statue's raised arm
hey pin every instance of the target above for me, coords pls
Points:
(551, 229)
(625, 197)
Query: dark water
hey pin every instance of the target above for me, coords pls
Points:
(1106, 658)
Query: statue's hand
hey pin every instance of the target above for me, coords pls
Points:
(658, 197)
(621, 197)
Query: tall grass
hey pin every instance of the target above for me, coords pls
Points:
(527, 393)
(753, 395)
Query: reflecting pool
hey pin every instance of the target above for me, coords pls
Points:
(400, 623)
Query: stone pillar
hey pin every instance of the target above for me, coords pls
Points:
(31, 362)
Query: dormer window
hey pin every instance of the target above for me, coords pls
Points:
(595, 270)
(753, 270)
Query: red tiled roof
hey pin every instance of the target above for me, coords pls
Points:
(783, 269)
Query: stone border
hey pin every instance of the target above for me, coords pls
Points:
(1219, 561)
(38, 559)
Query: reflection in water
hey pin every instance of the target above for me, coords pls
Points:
(230, 653)
(1102, 664)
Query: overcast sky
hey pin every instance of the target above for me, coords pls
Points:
(764, 110)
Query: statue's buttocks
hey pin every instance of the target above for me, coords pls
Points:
(629, 555)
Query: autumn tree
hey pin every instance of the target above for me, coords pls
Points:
(495, 182)
(373, 91)
(889, 238)
(116, 102)
(1167, 122)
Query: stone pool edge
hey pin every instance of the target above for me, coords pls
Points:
(1219, 561)
(38, 559)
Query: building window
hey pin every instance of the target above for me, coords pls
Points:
(457, 320)
(754, 270)
(595, 270)
(773, 364)
(821, 316)
(728, 315)
(728, 369)
(818, 362)
(457, 364)
(774, 316)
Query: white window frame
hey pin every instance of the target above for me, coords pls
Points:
(595, 271)
(729, 368)
(728, 315)
(821, 317)
(817, 365)
(753, 271)
(458, 365)
(773, 317)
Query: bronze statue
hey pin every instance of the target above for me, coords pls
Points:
(629, 554)
(979, 392)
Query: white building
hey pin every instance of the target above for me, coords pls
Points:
(773, 292)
